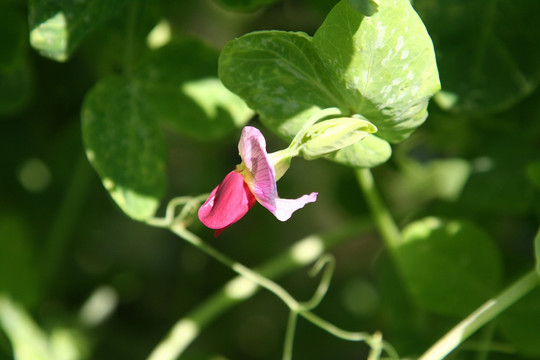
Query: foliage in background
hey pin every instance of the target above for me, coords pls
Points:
(134, 88)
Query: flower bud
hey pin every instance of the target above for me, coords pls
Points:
(281, 161)
(334, 134)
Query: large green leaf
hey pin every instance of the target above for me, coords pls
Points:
(381, 67)
(175, 85)
(124, 144)
(58, 26)
(384, 65)
(280, 76)
(181, 86)
(488, 51)
(450, 267)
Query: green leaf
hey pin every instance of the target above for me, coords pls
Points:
(176, 84)
(442, 260)
(369, 152)
(286, 82)
(181, 87)
(381, 67)
(384, 64)
(125, 146)
(17, 259)
(488, 51)
(58, 26)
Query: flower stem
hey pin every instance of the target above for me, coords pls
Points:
(185, 331)
(289, 336)
(488, 311)
(177, 341)
(237, 267)
(383, 219)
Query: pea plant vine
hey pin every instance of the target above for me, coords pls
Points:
(192, 141)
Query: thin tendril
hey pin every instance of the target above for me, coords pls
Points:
(328, 263)
(176, 224)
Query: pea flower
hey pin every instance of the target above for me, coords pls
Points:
(254, 180)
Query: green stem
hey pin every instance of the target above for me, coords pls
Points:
(485, 313)
(237, 267)
(289, 336)
(332, 329)
(176, 342)
(376, 347)
(238, 289)
(383, 219)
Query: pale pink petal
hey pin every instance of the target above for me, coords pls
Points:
(286, 207)
(227, 203)
(262, 177)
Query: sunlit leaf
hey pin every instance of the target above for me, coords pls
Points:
(124, 144)
(381, 67)
(58, 26)
(384, 64)
(454, 253)
(181, 87)
(287, 82)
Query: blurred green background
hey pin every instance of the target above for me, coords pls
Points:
(477, 158)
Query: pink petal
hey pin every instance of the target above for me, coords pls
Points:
(227, 203)
(286, 207)
(252, 148)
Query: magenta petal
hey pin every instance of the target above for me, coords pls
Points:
(286, 207)
(227, 203)
(252, 148)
